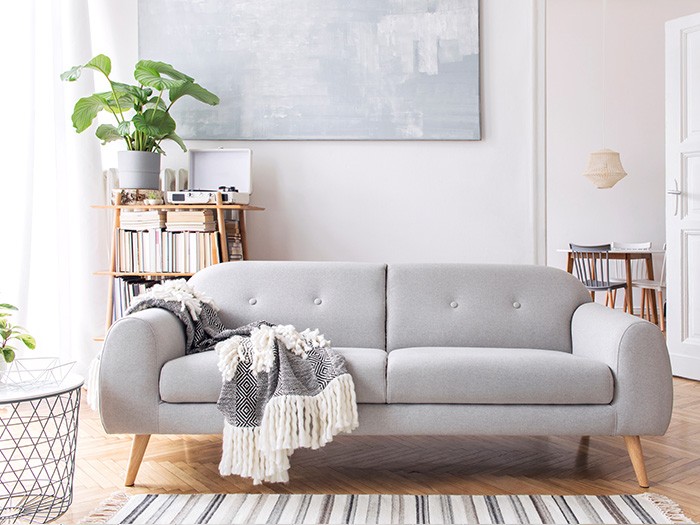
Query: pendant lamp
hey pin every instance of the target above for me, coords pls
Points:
(604, 168)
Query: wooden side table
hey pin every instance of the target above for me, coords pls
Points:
(38, 432)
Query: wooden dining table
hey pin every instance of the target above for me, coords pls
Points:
(628, 256)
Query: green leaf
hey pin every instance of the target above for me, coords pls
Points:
(137, 93)
(85, 111)
(100, 63)
(8, 354)
(176, 138)
(28, 341)
(151, 104)
(195, 91)
(108, 133)
(7, 306)
(5, 333)
(149, 73)
(154, 123)
(72, 74)
(163, 69)
(125, 101)
(124, 128)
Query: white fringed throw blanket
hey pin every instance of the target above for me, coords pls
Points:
(282, 389)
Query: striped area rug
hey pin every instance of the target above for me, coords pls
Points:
(395, 509)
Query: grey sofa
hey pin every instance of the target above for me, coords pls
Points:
(433, 349)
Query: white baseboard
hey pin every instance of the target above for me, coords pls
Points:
(686, 366)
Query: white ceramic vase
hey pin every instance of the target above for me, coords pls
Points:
(139, 170)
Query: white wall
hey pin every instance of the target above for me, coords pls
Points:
(397, 201)
(634, 209)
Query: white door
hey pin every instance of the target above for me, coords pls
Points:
(683, 199)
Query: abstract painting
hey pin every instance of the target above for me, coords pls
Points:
(322, 69)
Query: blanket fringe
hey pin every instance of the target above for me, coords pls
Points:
(289, 422)
(670, 508)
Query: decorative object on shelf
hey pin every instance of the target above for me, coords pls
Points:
(131, 197)
(9, 333)
(604, 167)
(174, 180)
(153, 197)
(37, 371)
(160, 85)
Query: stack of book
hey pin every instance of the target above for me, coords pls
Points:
(142, 220)
(125, 290)
(191, 221)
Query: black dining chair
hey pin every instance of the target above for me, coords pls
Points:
(592, 266)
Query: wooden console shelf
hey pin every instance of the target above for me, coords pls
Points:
(219, 208)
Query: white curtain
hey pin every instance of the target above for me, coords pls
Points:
(52, 240)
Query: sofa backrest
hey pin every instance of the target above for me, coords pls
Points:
(481, 306)
(345, 301)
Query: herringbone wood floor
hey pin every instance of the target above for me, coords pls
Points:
(409, 465)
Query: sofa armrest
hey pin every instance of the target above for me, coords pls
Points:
(635, 351)
(134, 352)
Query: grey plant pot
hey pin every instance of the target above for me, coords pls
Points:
(139, 169)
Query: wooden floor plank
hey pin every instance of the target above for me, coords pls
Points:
(418, 465)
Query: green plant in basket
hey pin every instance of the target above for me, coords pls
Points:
(142, 112)
(9, 333)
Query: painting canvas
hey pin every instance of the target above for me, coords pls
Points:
(322, 69)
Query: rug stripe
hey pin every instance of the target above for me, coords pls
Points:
(349, 511)
(610, 506)
(541, 508)
(633, 504)
(629, 511)
(565, 509)
(143, 505)
(210, 509)
(591, 516)
(518, 508)
(162, 509)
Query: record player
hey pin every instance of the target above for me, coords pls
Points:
(229, 195)
(227, 170)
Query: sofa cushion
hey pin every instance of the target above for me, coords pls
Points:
(509, 376)
(487, 305)
(345, 301)
(196, 379)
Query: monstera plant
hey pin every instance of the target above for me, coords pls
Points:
(141, 111)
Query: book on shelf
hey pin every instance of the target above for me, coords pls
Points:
(161, 251)
(142, 220)
(191, 227)
(125, 290)
(193, 220)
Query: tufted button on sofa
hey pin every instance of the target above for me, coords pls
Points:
(433, 349)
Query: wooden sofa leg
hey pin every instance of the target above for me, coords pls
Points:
(138, 449)
(634, 449)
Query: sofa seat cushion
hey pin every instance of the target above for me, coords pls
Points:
(504, 376)
(196, 379)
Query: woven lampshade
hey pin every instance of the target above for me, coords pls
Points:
(604, 168)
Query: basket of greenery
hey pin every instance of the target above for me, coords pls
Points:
(10, 335)
(141, 113)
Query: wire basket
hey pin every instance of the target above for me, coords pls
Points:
(32, 372)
